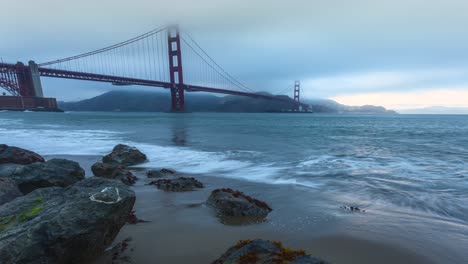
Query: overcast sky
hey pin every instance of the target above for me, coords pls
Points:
(401, 54)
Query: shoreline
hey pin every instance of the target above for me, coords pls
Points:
(181, 227)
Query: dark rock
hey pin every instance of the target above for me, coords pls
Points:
(54, 172)
(64, 225)
(230, 203)
(159, 173)
(111, 171)
(181, 184)
(133, 219)
(8, 191)
(167, 171)
(104, 170)
(353, 208)
(124, 155)
(264, 251)
(118, 253)
(17, 155)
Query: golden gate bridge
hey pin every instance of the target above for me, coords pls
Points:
(151, 59)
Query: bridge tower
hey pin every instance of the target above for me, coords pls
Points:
(175, 70)
(297, 89)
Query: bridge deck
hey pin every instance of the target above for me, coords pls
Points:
(117, 80)
(53, 73)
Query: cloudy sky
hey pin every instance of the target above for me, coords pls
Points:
(402, 54)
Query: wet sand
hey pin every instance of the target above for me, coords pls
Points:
(183, 230)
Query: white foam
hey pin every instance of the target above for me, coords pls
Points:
(50, 139)
(187, 160)
(9, 122)
(57, 141)
(219, 164)
(190, 160)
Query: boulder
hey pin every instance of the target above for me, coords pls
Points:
(159, 173)
(111, 171)
(54, 172)
(264, 251)
(181, 184)
(64, 225)
(8, 191)
(231, 203)
(17, 155)
(124, 155)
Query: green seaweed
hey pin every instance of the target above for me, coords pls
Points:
(26, 216)
(6, 222)
(9, 221)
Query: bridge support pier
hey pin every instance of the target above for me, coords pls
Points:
(29, 82)
(35, 79)
(24, 84)
(175, 70)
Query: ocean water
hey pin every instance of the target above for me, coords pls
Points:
(413, 165)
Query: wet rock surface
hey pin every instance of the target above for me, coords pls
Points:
(54, 172)
(181, 184)
(353, 209)
(133, 219)
(230, 203)
(119, 253)
(15, 155)
(64, 225)
(263, 251)
(160, 173)
(124, 155)
(112, 171)
(8, 191)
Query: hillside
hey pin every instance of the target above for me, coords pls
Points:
(139, 101)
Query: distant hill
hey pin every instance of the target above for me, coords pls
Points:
(330, 106)
(139, 101)
(143, 101)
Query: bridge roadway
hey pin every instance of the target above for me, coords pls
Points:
(117, 80)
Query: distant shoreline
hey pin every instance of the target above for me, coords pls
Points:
(160, 102)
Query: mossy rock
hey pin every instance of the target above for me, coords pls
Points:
(63, 225)
(25, 215)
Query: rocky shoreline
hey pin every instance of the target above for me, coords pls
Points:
(51, 213)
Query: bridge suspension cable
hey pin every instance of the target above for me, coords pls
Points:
(284, 91)
(118, 45)
(203, 55)
(146, 57)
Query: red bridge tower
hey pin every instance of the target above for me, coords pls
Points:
(297, 89)
(175, 70)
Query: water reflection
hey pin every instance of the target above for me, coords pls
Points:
(179, 135)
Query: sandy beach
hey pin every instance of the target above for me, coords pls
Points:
(181, 229)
